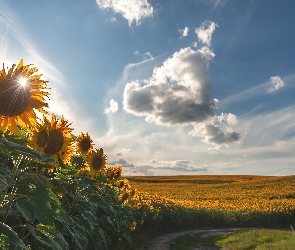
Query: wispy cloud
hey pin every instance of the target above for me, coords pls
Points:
(219, 4)
(132, 10)
(13, 30)
(276, 84)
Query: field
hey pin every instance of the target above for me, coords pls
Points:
(223, 192)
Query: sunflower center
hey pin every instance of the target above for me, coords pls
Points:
(55, 142)
(85, 144)
(125, 196)
(96, 163)
(42, 139)
(14, 98)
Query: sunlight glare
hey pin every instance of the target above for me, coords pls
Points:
(23, 82)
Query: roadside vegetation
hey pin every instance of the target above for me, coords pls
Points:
(259, 239)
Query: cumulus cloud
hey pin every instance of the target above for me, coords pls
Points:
(205, 31)
(230, 119)
(132, 10)
(123, 163)
(276, 84)
(213, 134)
(183, 32)
(177, 92)
(113, 107)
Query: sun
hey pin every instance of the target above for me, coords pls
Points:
(21, 93)
(22, 82)
(53, 138)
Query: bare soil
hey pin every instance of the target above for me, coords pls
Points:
(163, 242)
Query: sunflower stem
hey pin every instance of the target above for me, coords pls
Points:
(5, 192)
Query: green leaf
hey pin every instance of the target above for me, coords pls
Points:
(24, 150)
(26, 208)
(3, 183)
(108, 224)
(59, 213)
(35, 178)
(98, 239)
(62, 176)
(42, 207)
(49, 236)
(9, 239)
(80, 235)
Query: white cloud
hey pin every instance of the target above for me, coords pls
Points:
(211, 133)
(230, 119)
(205, 32)
(176, 93)
(183, 32)
(179, 94)
(132, 10)
(276, 84)
(123, 151)
(113, 107)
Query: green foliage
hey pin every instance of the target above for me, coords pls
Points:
(41, 208)
(254, 239)
(9, 239)
(259, 239)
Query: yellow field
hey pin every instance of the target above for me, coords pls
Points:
(248, 193)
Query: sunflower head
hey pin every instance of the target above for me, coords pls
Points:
(123, 184)
(53, 138)
(96, 161)
(21, 91)
(124, 197)
(113, 173)
(84, 144)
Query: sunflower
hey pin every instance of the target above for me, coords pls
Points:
(96, 161)
(53, 138)
(20, 93)
(123, 184)
(84, 144)
(113, 173)
(124, 197)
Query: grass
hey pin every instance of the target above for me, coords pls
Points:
(260, 239)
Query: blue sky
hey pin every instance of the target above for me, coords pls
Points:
(167, 87)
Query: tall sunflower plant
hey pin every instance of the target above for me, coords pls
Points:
(56, 190)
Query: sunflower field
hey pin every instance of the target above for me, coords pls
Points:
(57, 190)
(226, 199)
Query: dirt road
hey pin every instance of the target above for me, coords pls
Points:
(162, 242)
